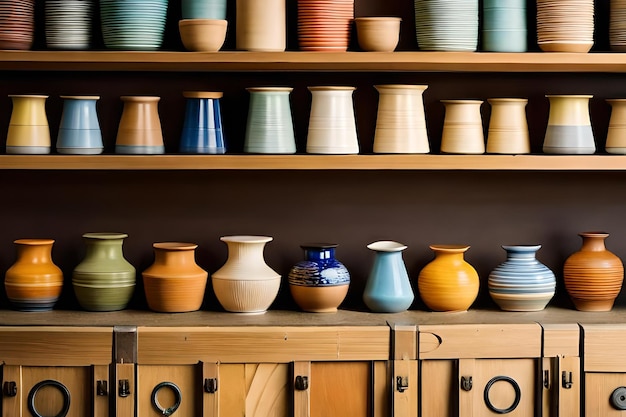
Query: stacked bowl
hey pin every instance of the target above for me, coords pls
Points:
(504, 26)
(133, 24)
(68, 24)
(17, 24)
(565, 25)
(617, 25)
(325, 25)
(446, 25)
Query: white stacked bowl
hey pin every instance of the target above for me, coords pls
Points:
(69, 24)
(446, 25)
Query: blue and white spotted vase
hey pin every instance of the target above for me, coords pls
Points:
(320, 282)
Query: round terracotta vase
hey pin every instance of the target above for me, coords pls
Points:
(174, 283)
(448, 282)
(33, 282)
(593, 276)
(245, 283)
(104, 280)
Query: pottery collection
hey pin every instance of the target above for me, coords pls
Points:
(446, 25)
(17, 24)
(320, 282)
(565, 26)
(69, 24)
(325, 27)
(133, 25)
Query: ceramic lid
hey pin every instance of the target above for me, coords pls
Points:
(203, 94)
(386, 246)
(317, 245)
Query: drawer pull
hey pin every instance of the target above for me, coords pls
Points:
(618, 398)
(124, 388)
(466, 383)
(49, 382)
(102, 389)
(514, 384)
(301, 383)
(178, 397)
(567, 383)
(402, 383)
(10, 389)
(210, 385)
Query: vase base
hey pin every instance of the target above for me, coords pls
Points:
(593, 305)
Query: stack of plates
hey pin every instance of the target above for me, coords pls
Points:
(565, 25)
(133, 24)
(324, 25)
(617, 25)
(446, 25)
(68, 24)
(17, 24)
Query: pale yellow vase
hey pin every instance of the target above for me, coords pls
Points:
(508, 127)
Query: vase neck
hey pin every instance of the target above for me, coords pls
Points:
(319, 254)
(104, 249)
(521, 253)
(37, 254)
(250, 251)
(179, 257)
(593, 242)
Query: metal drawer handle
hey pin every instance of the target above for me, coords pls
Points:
(177, 395)
(618, 398)
(49, 382)
(514, 384)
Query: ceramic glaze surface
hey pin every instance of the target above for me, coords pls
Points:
(521, 283)
(388, 288)
(504, 27)
(332, 124)
(269, 127)
(174, 283)
(261, 26)
(616, 135)
(133, 25)
(245, 283)
(79, 129)
(448, 282)
(33, 282)
(593, 275)
(508, 127)
(29, 132)
(569, 126)
(202, 127)
(69, 24)
(104, 280)
(462, 127)
(203, 9)
(378, 34)
(139, 130)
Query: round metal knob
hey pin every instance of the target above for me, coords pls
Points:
(618, 398)
(516, 388)
(177, 394)
(49, 382)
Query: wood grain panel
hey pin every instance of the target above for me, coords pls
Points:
(340, 389)
(187, 345)
(598, 390)
(603, 347)
(49, 399)
(56, 346)
(561, 340)
(187, 379)
(439, 395)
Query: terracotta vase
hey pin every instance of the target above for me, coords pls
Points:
(401, 121)
(139, 131)
(245, 283)
(320, 282)
(616, 134)
(261, 25)
(462, 127)
(448, 283)
(174, 283)
(569, 126)
(33, 282)
(508, 127)
(104, 280)
(29, 132)
(593, 276)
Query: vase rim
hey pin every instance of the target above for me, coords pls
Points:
(401, 87)
(105, 235)
(522, 247)
(270, 89)
(331, 88)
(203, 94)
(386, 246)
(140, 98)
(507, 100)
(449, 248)
(318, 245)
(80, 97)
(379, 18)
(593, 234)
(246, 239)
(461, 101)
(27, 96)
(174, 246)
(33, 241)
(569, 95)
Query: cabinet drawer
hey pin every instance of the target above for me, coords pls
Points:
(603, 347)
(605, 394)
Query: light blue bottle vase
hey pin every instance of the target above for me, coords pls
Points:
(388, 289)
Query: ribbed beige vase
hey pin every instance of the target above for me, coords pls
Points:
(261, 25)
(462, 127)
(245, 283)
(400, 121)
(616, 134)
(508, 127)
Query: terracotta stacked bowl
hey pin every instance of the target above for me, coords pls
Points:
(565, 25)
(617, 25)
(17, 24)
(324, 25)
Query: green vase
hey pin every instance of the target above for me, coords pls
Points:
(104, 280)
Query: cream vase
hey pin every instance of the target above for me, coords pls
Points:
(245, 283)
(616, 135)
(332, 125)
(508, 127)
(462, 127)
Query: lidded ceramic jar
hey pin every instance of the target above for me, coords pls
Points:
(104, 280)
(593, 275)
(174, 283)
(448, 282)
(319, 283)
(245, 283)
(521, 282)
(33, 282)
(388, 289)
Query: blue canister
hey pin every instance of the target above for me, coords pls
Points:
(203, 9)
(388, 289)
(504, 26)
(202, 128)
(79, 130)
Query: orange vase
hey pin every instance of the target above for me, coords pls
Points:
(33, 282)
(593, 276)
(174, 283)
(448, 282)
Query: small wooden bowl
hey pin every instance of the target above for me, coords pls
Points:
(378, 34)
(203, 35)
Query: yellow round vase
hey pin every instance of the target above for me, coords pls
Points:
(448, 282)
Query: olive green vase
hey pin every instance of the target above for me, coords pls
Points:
(104, 280)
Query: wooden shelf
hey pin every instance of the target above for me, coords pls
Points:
(311, 61)
(316, 162)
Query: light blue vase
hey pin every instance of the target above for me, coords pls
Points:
(504, 26)
(79, 130)
(204, 9)
(269, 127)
(388, 289)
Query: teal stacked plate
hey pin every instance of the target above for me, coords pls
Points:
(446, 25)
(133, 24)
